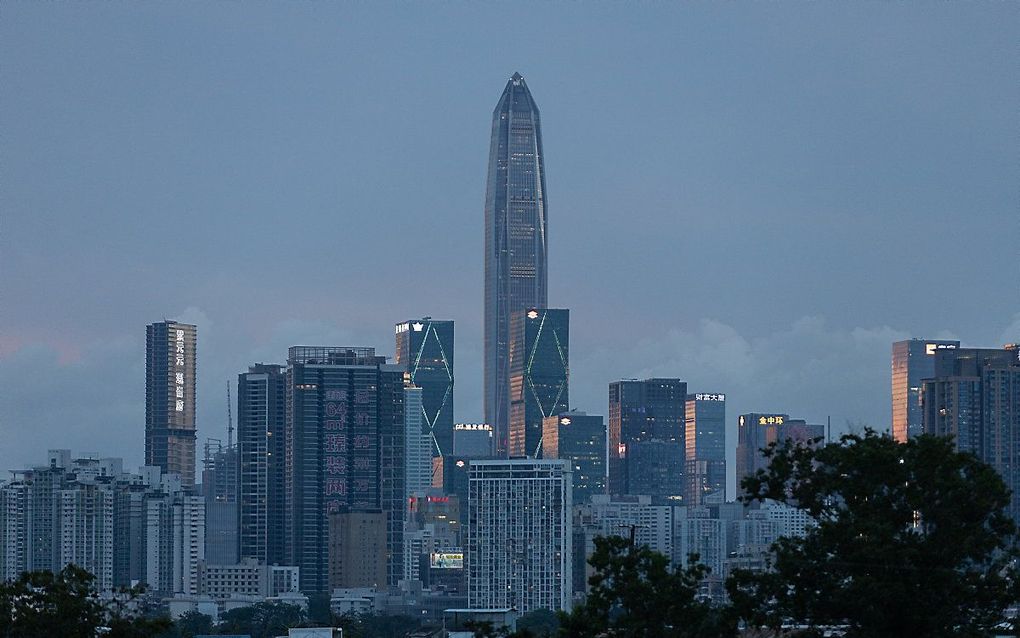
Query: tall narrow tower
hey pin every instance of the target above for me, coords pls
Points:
(516, 243)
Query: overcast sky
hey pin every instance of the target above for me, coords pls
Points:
(757, 198)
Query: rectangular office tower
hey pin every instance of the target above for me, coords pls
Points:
(539, 375)
(756, 431)
(425, 348)
(974, 396)
(344, 451)
(519, 535)
(580, 438)
(646, 438)
(516, 242)
(261, 446)
(170, 398)
(913, 361)
(705, 447)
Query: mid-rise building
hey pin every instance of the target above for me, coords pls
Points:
(539, 375)
(913, 360)
(646, 438)
(974, 396)
(357, 549)
(580, 438)
(170, 349)
(248, 579)
(425, 348)
(516, 242)
(344, 451)
(705, 446)
(755, 431)
(261, 448)
(519, 535)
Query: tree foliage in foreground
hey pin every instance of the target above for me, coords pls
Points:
(636, 593)
(66, 604)
(912, 539)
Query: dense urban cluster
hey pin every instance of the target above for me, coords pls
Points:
(349, 477)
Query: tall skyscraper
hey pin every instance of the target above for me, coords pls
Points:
(539, 375)
(973, 395)
(220, 487)
(755, 431)
(913, 360)
(705, 443)
(646, 438)
(580, 438)
(261, 445)
(516, 243)
(417, 444)
(344, 450)
(170, 398)
(519, 535)
(425, 348)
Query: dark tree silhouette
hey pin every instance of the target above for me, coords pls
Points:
(911, 539)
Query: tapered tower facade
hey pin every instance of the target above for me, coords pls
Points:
(516, 241)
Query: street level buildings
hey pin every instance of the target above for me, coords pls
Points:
(539, 375)
(913, 360)
(519, 535)
(516, 240)
(425, 348)
(170, 349)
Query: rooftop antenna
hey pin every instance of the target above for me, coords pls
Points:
(230, 420)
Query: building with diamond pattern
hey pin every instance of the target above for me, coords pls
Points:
(539, 375)
(425, 348)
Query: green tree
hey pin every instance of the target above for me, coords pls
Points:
(636, 593)
(911, 539)
(190, 624)
(66, 604)
(540, 623)
(261, 620)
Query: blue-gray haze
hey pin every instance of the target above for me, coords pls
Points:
(758, 198)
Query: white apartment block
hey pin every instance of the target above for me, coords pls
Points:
(247, 579)
(85, 524)
(519, 535)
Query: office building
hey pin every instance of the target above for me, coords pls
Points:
(516, 242)
(757, 430)
(344, 450)
(425, 348)
(417, 444)
(913, 360)
(519, 535)
(974, 396)
(539, 375)
(705, 447)
(473, 440)
(646, 438)
(261, 448)
(220, 486)
(579, 438)
(170, 398)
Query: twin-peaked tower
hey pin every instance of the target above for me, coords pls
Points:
(516, 243)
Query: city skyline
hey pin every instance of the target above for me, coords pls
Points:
(797, 333)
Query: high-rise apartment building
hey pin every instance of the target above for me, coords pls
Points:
(519, 535)
(425, 348)
(344, 450)
(357, 549)
(516, 242)
(755, 431)
(974, 396)
(705, 446)
(539, 375)
(913, 360)
(170, 398)
(646, 438)
(261, 448)
(579, 438)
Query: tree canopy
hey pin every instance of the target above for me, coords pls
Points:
(911, 539)
(636, 593)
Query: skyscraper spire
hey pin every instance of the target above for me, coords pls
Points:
(516, 245)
